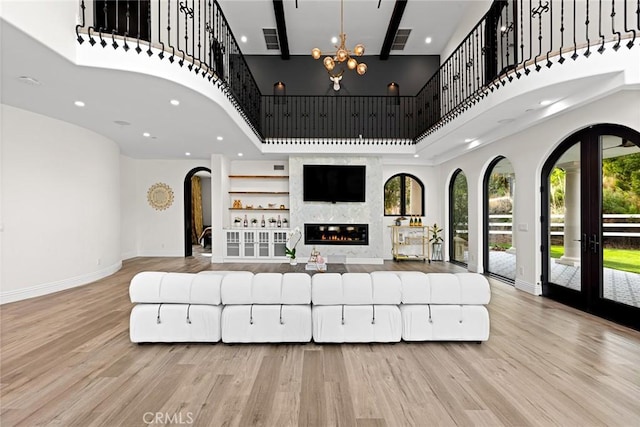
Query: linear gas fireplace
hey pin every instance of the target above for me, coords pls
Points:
(336, 234)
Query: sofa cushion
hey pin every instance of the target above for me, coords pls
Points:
(175, 288)
(266, 288)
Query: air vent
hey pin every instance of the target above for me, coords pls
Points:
(271, 38)
(278, 167)
(401, 39)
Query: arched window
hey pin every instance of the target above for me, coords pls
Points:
(403, 195)
(458, 218)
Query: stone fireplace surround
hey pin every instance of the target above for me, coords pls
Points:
(336, 234)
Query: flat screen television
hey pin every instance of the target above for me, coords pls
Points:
(332, 183)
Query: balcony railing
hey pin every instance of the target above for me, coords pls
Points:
(514, 39)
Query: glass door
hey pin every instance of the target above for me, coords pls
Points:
(591, 242)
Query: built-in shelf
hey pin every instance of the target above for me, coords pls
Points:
(283, 193)
(260, 176)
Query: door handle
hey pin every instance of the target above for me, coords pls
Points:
(583, 242)
(594, 244)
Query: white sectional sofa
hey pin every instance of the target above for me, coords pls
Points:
(243, 307)
(356, 307)
(175, 307)
(266, 307)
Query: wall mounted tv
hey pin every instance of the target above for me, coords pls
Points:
(332, 183)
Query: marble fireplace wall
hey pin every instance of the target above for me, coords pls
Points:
(370, 212)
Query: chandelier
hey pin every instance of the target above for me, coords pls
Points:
(342, 54)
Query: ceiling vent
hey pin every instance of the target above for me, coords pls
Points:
(401, 39)
(271, 38)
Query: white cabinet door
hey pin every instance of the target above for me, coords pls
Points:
(279, 243)
(233, 244)
(249, 244)
(264, 244)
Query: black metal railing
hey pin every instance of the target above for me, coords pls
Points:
(193, 34)
(518, 37)
(512, 40)
(338, 118)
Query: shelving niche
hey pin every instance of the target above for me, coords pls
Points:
(256, 196)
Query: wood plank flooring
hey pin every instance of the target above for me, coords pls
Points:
(66, 360)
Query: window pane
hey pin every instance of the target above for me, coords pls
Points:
(501, 248)
(413, 194)
(460, 219)
(392, 196)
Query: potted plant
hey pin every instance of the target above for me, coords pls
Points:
(436, 242)
(254, 222)
(272, 222)
(292, 241)
(237, 222)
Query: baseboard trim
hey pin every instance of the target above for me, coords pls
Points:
(60, 285)
(531, 288)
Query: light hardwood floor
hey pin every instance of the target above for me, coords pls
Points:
(67, 361)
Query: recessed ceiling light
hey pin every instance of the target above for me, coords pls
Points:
(219, 138)
(416, 155)
(546, 102)
(146, 134)
(174, 102)
(187, 153)
(243, 39)
(121, 123)
(240, 154)
(468, 140)
(79, 104)
(474, 144)
(503, 28)
(29, 80)
(334, 40)
(503, 121)
(428, 40)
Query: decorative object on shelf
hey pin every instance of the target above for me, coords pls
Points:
(160, 196)
(272, 222)
(237, 204)
(245, 223)
(279, 222)
(282, 207)
(285, 222)
(254, 222)
(436, 242)
(292, 241)
(399, 220)
(342, 56)
(248, 207)
(237, 222)
(271, 205)
(262, 223)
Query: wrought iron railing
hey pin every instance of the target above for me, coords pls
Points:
(512, 40)
(192, 34)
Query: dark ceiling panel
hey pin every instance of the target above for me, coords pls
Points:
(278, 8)
(394, 24)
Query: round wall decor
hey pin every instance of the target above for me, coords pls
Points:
(160, 196)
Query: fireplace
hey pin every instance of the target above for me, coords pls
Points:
(336, 234)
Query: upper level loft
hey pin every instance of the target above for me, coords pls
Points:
(520, 51)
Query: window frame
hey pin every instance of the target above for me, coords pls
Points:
(403, 194)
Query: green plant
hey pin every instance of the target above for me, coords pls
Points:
(436, 234)
(292, 242)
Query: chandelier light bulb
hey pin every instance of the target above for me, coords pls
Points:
(358, 50)
(352, 63)
(361, 68)
(342, 55)
(328, 62)
(315, 53)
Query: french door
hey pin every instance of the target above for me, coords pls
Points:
(591, 223)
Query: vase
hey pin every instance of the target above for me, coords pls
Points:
(293, 261)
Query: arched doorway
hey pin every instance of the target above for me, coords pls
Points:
(590, 220)
(188, 206)
(499, 244)
(458, 218)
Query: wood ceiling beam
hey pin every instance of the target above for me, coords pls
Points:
(281, 26)
(394, 24)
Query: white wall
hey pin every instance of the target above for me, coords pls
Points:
(475, 11)
(128, 216)
(61, 205)
(158, 232)
(527, 151)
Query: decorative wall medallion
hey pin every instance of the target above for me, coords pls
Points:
(160, 196)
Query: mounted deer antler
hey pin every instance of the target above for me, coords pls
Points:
(336, 80)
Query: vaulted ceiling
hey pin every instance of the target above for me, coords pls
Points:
(312, 23)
